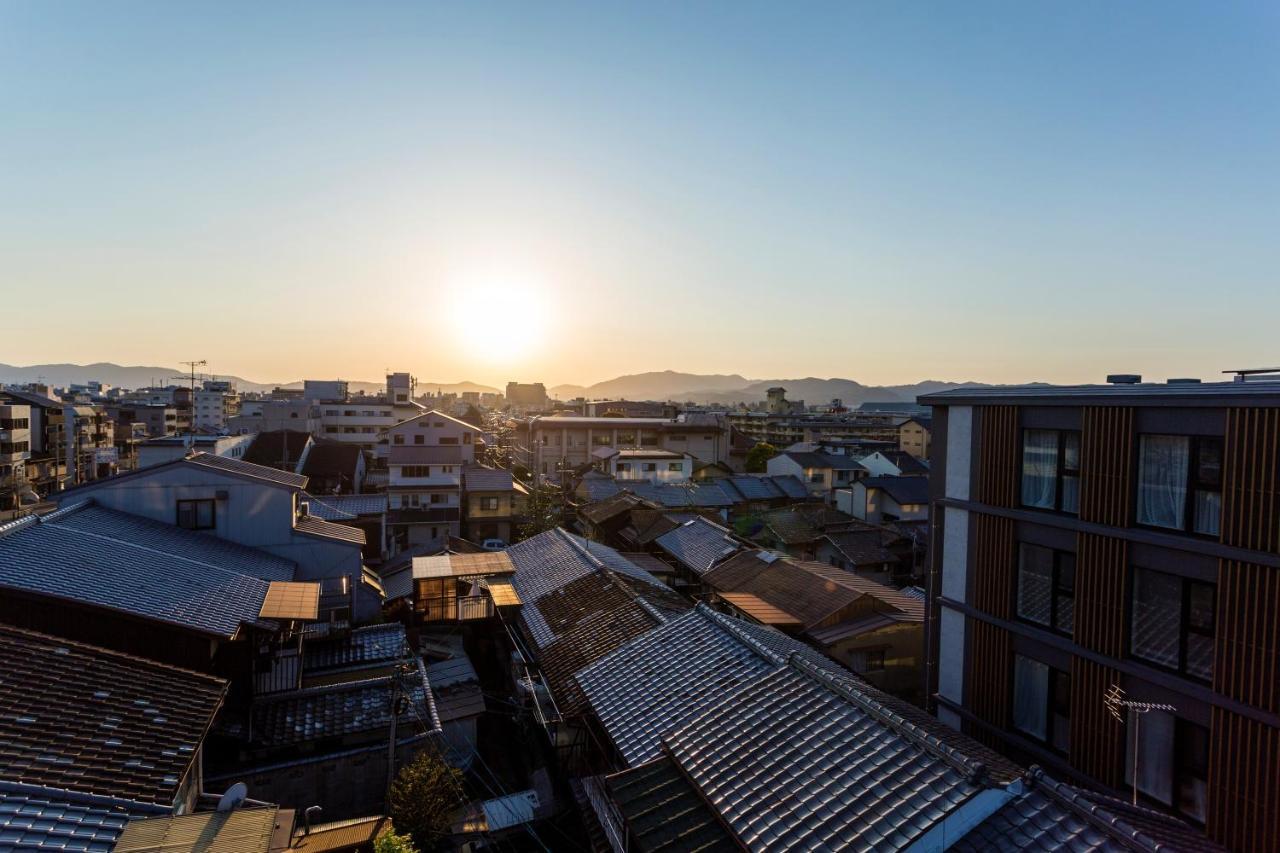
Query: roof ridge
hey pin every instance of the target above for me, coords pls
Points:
(40, 636)
(653, 612)
(18, 524)
(975, 771)
(727, 624)
(64, 511)
(1071, 799)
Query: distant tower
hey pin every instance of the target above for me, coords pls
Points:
(778, 401)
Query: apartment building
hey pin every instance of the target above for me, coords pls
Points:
(1097, 545)
(15, 450)
(361, 419)
(559, 443)
(67, 443)
(425, 461)
(786, 429)
(214, 404)
(913, 436)
(526, 396)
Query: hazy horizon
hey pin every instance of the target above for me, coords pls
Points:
(566, 193)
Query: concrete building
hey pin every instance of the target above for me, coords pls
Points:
(213, 405)
(526, 397)
(360, 419)
(15, 450)
(156, 451)
(1107, 543)
(425, 461)
(913, 436)
(654, 466)
(273, 415)
(324, 389)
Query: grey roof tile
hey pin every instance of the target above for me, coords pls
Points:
(34, 818)
(371, 644)
(247, 469)
(698, 544)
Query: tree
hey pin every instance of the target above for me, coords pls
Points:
(390, 842)
(424, 797)
(759, 455)
(473, 416)
(544, 511)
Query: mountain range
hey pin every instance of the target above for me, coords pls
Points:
(717, 389)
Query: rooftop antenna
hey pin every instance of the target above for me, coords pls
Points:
(234, 796)
(1114, 701)
(191, 366)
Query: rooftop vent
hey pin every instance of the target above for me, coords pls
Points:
(1123, 379)
(1184, 381)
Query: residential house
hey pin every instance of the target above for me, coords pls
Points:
(913, 436)
(425, 461)
(696, 547)
(822, 472)
(886, 499)
(494, 503)
(797, 530)
(894, 463)
(93, 738)
(1105, 544)
(335, 468)
(283, 449)
(249, 505)
(655, 466)
(871, 551)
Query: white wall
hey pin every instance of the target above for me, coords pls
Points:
(959, 448)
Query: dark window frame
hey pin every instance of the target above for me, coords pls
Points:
(1191, 483)
(1053, 701)
(1185, 628)
(195, 504)
(1060, 470)
(1056, 590)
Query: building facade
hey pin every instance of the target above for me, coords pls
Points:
(1098, 544)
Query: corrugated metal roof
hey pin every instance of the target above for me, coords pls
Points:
(86, 553)
(242, 830)
(342, 834)
(503, 592)
(463, 565)
(759, 609)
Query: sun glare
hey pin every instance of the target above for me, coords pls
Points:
(499, 320)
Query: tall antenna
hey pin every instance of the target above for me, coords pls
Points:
(1114, 701)
(191, 366)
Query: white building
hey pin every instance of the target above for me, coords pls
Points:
(213, 405)
(881, 499)
(425, 458)
(654, 466)
(15, 449)
(156, 451)
(823, 473)
(361, 419)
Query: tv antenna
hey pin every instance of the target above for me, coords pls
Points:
(1116, 704)
(191, 366)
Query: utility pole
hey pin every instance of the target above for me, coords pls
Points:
(191, 422)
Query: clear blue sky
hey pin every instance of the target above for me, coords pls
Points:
(882, 191)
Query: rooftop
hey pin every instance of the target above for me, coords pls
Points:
(1258, 393)
(83, 719)
(698, 544)
(91, 554)
(242, 830)
(904, 490)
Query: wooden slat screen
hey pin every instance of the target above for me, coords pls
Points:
(1251, 480)
(1097, 738)
(1106, 465)
(1244, 783)
(998, 463)
(1100, 617)
(993, 565)
(1247, 648)
(988, 687)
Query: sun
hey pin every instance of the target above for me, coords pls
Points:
(499, 320)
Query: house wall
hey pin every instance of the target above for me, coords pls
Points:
(903, 647)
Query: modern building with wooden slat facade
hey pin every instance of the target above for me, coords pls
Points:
(1124, 535)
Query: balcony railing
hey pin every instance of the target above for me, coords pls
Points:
(474, 607)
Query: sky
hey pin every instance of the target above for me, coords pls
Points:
(887, 192)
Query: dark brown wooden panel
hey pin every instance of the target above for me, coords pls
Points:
(1106, 465)
(1244, 783)
(1247, 645)
(992, 570)
(987, 692)
(1100, 593)
(1097, 738)
(1251, 480)
(998, 444)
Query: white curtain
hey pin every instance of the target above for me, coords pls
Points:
(1208, 512)
(1162, 480)
(1030, 696)
(1039, 467)
(1155, 754)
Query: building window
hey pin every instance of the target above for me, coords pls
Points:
(1042, 702)
(815, 477)
(1047, 587)
(439, 498)
(415, 471)
(197, 514)
(466, 438)
(448, 439)
(488, 504)
(397, 439)
(419, 439)
(1172, 623)
(1180, 482)
(446, 469)
(675, 466)
(624, 466)
(1051, 469)
(650, 466)
(875, 661)
(1172, 759)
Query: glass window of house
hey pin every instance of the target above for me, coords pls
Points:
(1180, 483)
(1051, 469)
(1172, 622)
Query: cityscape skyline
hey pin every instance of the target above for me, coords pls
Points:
(997, 193)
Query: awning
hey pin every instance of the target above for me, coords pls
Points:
(503, 593)
(291, 600)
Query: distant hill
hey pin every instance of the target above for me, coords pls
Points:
(120, 376)
(719, 389)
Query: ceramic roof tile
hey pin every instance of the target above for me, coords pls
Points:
(372, 644)
(314, 526)
(49, 819)
(88, 553)
(664, 812)
(698, 544)
(93, 721)
(247, 469)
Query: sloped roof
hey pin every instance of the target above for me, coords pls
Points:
(242, 830)
(333, 459)
(84, 719)
(904, 490)
(241, 468)
(648, 524)
(346, 507)
(278, 447)
(314, 526)
(478, 478)
(35, 818)
(698, 544)
(863, 546)
(611, 507)
(87, 553)
(665, 813)
(367, 646)
(814, 459)
(754, 487)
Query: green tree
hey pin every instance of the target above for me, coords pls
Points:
(423, 799)
(390, 842)
(759, 455)
(544, 510)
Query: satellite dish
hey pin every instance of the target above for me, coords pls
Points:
(234, 796)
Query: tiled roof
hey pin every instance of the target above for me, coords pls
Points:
(372, 644)
(337, 710)
(350, 505)
(797, 525)
(905, 462)
(754, 487)
(314, 526)
(33, 818)
(864, 547)
(698, 544)
(707, 494)
(93, 721)
(320, 509)
(796, 765)
(649, 563)
(665, 677)
(665, 813)
(247, 469)
(397, 583)
(86, 553)
(333, 459)
(812, 459)
(648, 524)
(588, 619)
(790, 485)
(611, 507)
(456, 689)
(477, 478)
(809, 590)
(904, 490)
(278, 447)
